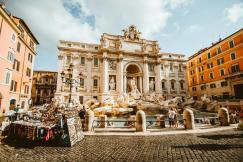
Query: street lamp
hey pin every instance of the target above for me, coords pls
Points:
(67, 78)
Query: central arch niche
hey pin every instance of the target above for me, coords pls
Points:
(133, 71)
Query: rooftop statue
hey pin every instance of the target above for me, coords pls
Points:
(132, 33)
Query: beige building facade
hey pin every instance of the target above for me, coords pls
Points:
(120, 64)
(43, 87)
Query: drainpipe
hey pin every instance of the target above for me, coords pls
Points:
(1, 26)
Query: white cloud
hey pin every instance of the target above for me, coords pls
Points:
(51, 21)
(192, 29)
(234, 13)
(178, 3)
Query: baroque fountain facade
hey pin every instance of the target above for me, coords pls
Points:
(122, 71)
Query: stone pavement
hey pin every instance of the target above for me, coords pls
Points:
(212, 146)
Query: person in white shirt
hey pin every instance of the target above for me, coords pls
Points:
(171, 117)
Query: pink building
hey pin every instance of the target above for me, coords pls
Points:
(17, 56)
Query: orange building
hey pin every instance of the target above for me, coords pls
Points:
(17, 56)
(218, 70)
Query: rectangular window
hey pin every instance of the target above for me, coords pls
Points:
(95, 97)
(14, 64)
(233, 56)
(209, 55)
(194, 88)
(18, 47)
(18, 66)
(163, 85)
(81, 99)
(182, 85)
(220, 61)
(26, 90)
(212, 85)
(30, 58)
(81, 82)
(28, 72)
(210, 65)
(219, 50)
(211, 75)
(13, 37)
(95, 84)
(96, 62)
(7, 77)
(203, 87)
(222, 72)
(11, 56)
(224, 84)
(235, 68)
(202, 78)
(162, 67)
(12, 85)
(15, 86)
(193, 80)
(200, 60)
(82, 60)
(172, 85)
(231, 44)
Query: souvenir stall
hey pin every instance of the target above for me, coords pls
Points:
(46, 124)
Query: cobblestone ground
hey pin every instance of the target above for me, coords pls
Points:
(218, 146)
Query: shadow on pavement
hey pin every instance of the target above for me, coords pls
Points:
(17, 144)
(210, 147)
(218, 137)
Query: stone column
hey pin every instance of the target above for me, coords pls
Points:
(188, 118)
(140, 121)
(125, 84)
(158, 80)
(145, 77)
(88, 81)
(223, 116)
(105, 77)
(89, 119)
(140, 84)
(120, 75)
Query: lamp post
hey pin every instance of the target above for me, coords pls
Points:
(67, 78)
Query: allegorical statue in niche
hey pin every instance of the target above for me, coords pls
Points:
(112, 83)
(151, 85)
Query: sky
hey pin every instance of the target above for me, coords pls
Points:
(180, 26)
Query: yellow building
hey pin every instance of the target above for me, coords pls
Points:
(218, 70)
(43, 87)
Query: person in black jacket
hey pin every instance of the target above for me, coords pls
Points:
(82, 117)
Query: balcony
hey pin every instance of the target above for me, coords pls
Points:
(181, 74)
(172, 74)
